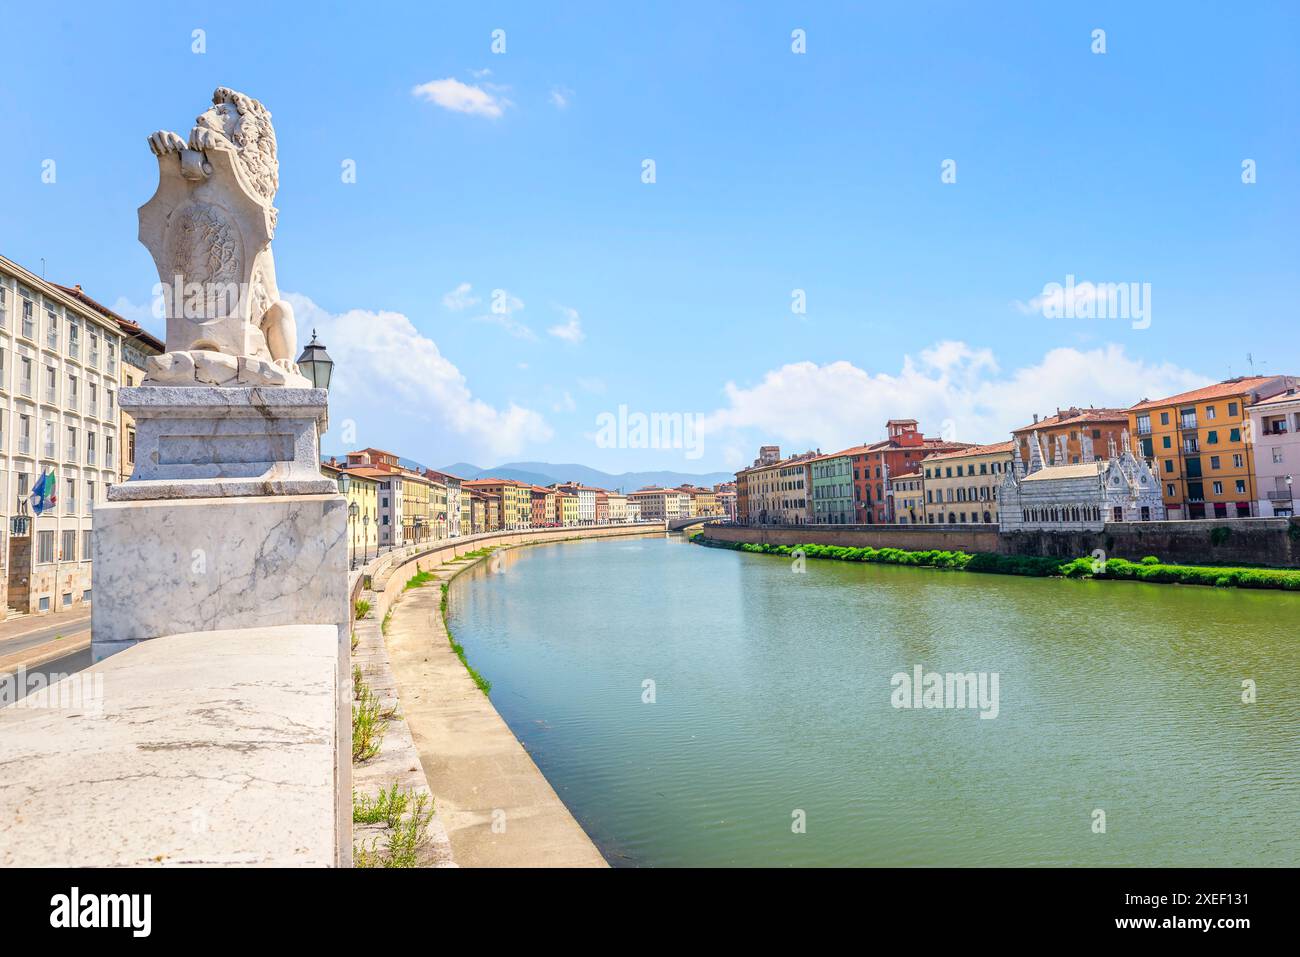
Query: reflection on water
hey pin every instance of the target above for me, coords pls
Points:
(771, 696)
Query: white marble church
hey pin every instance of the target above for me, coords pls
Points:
(1056, 496)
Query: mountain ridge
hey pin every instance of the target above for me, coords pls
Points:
(547, 473)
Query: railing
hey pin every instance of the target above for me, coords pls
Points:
(1187, 422)
(1283, 496)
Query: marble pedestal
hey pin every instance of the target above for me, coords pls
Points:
(204, 441)
(168, 566)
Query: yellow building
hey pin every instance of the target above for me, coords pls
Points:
(961, 488)
(566, 505)
(363, 526)
(1200, 447)
(416, 523)
(909, 497)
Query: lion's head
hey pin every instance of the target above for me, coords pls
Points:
(245, 124)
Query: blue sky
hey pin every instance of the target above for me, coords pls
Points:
(775, 172)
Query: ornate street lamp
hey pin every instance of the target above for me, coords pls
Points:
(353, 511)
(316, 364)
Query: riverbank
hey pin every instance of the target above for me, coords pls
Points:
(443, 737)
(1150, 569)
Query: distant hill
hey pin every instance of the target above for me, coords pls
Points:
(547, 473)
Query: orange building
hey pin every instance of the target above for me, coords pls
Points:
(1102, 425)
(1201, 448)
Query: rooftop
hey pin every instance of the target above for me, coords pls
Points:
(1219, 390)
(1075, 415)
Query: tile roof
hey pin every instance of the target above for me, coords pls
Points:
(1219, 390)
(973, 450)
(1073, 416)
(1291, 395)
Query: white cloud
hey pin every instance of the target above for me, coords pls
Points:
(804, 405)
(560, 97)
(462, 297)
(571, 329)
(502, 313)
(395, 384)
(564, 403)
(451, 94)
(479, 74)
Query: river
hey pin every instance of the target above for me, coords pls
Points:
(772, 738)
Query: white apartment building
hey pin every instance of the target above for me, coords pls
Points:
(60, 371)
(1275, 427)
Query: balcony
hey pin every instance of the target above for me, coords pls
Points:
(1191, 447)
(1143, 428)
(24, 445)
(49, 450)
(1283, 496)
(1187, 422)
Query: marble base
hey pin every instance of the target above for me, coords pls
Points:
(163, 567)
(224, 441)
(203, 367)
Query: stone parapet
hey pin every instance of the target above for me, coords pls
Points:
(212, 748)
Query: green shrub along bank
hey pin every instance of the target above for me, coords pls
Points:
(1150, 569)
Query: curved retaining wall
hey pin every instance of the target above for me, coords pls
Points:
(381, 583)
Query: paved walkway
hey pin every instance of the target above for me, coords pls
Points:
(479, 774)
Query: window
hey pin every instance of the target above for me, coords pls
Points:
(1214, 461)
(1241, 486)
(1169, 490)
(130, 446)
(1209, 411)
(1232, 410)
(70, 503)
(1234, 435)
(1169, 465)
(1218, 488)
(112, 356)
(74, 340)
(1237, 460)
(108, 451)
(49, 438)
(92, 357)
(4, 306)
(51, 328)
(26, 385)
(69, 552)
(1165, 441)
(45, 547)
(1212, 437)
(72, 390)
(90, 493)
(86, 552)
(1277, 456)
(90, 447)
(92, 404)
(25, 437)
(71, 449)
(29, 322)
(1164, 418)
(51, 385)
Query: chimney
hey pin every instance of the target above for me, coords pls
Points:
(1035, 418)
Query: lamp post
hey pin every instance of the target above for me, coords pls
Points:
(365, 534)
(353, 511)
(316, 364)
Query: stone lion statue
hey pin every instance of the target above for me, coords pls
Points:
(209, 228)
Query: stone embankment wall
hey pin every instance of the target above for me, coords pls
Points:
(1235, 541)
(380, 584)
(966, 538)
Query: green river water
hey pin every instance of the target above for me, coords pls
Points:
(772, 704)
